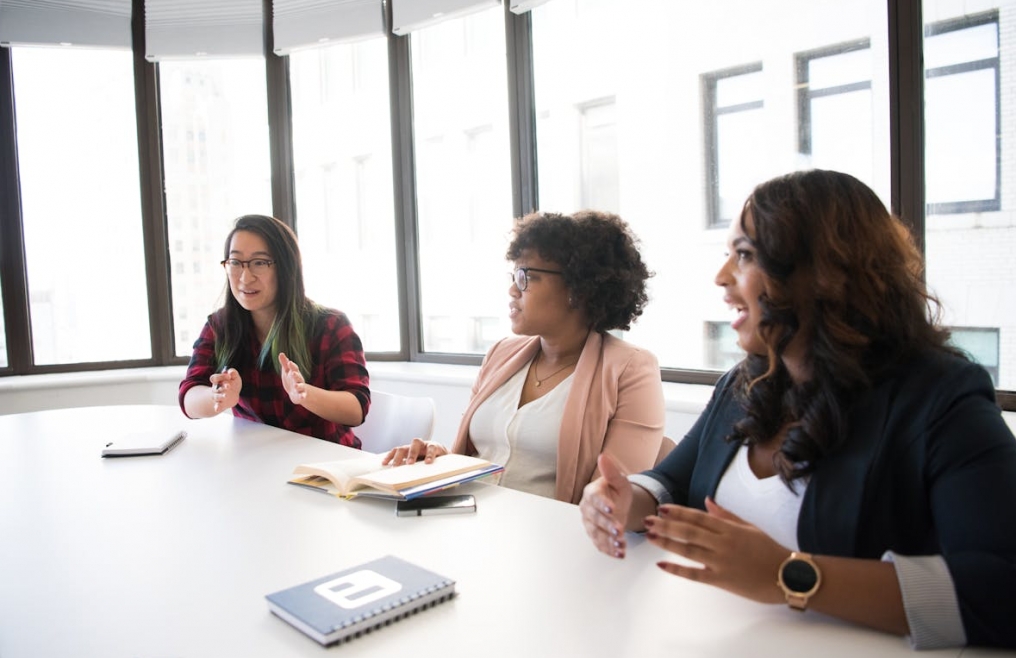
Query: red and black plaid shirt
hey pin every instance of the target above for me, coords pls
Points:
(339, 365)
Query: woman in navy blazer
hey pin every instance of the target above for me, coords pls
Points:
(895, 473)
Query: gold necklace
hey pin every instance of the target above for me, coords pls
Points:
(536, 375)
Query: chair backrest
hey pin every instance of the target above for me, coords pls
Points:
(395, 420)
(665, 447)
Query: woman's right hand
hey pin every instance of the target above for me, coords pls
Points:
(605, 505)
(418, 449)
(226, 388)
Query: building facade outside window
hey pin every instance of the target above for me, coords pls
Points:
(835, 109)
(81, 205)
(345, 205)
(970, 156)
(217, 168)
(717, 115)
(732, 122)
(981, 344)
(962, 112)
(463, 179)
(670, 133)
(599, 156)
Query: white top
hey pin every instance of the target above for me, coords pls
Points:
(764, 502)
(522, 439)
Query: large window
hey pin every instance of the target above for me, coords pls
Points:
(614, 113)
(970, 228)
(215, 154)
(463, 179)
(693, 124)
(80, 202)
(344, 196)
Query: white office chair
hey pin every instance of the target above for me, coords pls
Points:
(395, 420)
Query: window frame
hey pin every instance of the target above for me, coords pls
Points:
(954, 25)
(905, 38)
(710, 115)
(805, 94)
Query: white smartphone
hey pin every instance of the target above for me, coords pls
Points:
(444, 504)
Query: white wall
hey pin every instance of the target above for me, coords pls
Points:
(449, 385)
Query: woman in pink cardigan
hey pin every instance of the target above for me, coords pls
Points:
(548, 402)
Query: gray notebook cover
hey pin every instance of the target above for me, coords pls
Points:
(349, 603)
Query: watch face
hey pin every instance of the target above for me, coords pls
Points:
(799, 576)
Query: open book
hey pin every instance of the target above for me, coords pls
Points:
(365, 476)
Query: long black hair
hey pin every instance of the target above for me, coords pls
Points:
(294, 311)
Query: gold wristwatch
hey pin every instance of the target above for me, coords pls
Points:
(799, 578)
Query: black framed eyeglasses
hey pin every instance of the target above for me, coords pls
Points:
(257, 266)
(521, 276)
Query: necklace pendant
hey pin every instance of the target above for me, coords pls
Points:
(538, 382)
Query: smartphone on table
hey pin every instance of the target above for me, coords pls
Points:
(436, 504)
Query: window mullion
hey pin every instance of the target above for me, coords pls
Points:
(522, 112)
(404, 177)
(280, 127)
(13, 278)
(906, 114)
(153, 209)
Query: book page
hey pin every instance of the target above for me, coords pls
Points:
(410, 475)
(341, 472)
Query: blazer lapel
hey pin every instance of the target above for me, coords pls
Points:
(571, 440)
(831, 509)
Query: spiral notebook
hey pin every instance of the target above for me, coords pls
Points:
(349, 603)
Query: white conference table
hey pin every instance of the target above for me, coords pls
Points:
(171, 556)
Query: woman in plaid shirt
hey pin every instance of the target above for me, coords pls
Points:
(271, 354)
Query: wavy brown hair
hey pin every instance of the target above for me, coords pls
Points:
(845, 273)
(600, 260)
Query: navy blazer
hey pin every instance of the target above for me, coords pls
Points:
(928, 468)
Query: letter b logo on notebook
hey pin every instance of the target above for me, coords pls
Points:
(358, 588)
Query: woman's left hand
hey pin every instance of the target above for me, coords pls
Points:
(292, 380)
(735, 555)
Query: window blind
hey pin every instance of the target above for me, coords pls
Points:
(301, 23)
(90, 23)
(522, 6)
(195, 28)
(409, 15)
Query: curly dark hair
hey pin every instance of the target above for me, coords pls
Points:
(598, 253)
(842, 269)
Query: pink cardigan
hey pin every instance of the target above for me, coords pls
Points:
(615, 405)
